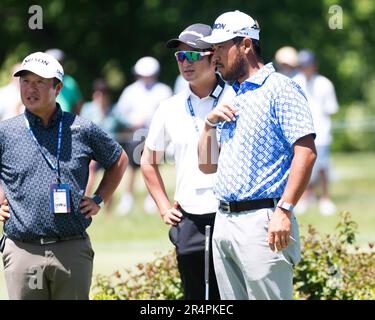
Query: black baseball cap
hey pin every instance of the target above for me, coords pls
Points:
(190, 36)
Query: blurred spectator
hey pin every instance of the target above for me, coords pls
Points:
(100, 111)
(10, 98)
(137, 104)
(287, 61)
(70, 97)
(97, 111)
(322, 100)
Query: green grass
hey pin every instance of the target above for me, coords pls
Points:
(123, 241)
(352, 189)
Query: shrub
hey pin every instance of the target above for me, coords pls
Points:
(332, 267)
(155, 280)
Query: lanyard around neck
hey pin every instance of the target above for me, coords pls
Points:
(192, 113)
(59, 139)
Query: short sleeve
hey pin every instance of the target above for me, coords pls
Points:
(158, 138)
(293, 114)
(106, 150)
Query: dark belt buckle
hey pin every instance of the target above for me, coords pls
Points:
(225, 206)
(43, 241)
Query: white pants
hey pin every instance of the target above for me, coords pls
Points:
(245, 266)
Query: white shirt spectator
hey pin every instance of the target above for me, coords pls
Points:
(322, 100)
(173, 123)
(138, 102)
(10, 101)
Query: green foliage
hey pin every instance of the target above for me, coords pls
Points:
(354, 126)
(156, 280)
(114, 31)
(332, 267)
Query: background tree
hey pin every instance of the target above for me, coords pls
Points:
(105, 38)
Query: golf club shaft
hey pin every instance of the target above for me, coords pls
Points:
(207, 261)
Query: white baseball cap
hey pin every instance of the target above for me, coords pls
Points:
(287, 55)
(42, 64)
(230, 25)
(58, 54)
(146, 67)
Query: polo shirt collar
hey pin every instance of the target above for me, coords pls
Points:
(193, 96)
(255, 81)
(35, 120)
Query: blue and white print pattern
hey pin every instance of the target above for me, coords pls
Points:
(256, 149)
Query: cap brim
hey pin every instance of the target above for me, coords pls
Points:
(173, 43)
(40, 73)
(216, 38)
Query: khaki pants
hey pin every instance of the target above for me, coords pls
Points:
(57, 271)
(245, 266)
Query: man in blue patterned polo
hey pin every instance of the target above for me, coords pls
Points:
(44, 161)
(265, 156)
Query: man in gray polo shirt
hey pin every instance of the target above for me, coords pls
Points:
(44, 162)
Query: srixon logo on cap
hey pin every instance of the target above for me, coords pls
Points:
(219, 26)
(36, 60)
(59, 73)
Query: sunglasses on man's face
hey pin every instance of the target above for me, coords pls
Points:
(191, 56)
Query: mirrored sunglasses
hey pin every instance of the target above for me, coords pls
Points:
(191, 56)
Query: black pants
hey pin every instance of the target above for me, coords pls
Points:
(189, 239)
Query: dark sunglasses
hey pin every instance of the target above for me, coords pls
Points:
(191, 56)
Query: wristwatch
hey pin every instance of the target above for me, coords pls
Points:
(98, 200)
(285, 205)
(211, 124)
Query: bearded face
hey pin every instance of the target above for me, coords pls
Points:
(230, 61)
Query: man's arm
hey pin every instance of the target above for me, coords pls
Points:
(208, 150)
(110, 181)
(300, 172)
(150, 169)
(208, 147)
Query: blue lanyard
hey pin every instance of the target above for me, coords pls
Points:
(59, 139)
(192, 113)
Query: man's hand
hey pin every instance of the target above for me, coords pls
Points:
(224, 112)
(172, 216)
(279, 230)
(4, 211)
(88, 207)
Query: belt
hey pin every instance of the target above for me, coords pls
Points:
(49, 240)
(238, 206)
(209, 215)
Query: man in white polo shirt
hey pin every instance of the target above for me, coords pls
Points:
(179, 121)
